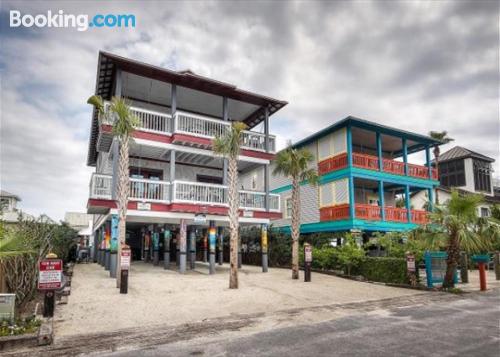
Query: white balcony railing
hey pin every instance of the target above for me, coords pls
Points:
(209, 128)
(149, 120)
(191, 124)
(149, 190)
(183, 192)
(196, 192)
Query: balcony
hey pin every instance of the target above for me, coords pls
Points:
(370, 162)
(183, 192)
(373, 213)
(186, 126)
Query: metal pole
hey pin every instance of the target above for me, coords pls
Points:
(205, 246)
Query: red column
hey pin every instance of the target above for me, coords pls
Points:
(482, 276)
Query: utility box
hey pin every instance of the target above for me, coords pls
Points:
(7, 306)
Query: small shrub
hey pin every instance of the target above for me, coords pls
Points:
(385, 270)
(19, 327)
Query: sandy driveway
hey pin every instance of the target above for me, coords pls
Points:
(158, 296)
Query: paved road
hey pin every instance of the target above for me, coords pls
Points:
(463, 327)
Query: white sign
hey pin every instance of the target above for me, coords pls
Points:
(247, 214)
(125, 260)
(143, 206)
(200, 218)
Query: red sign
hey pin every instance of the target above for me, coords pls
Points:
(410, 263)
(50, 274)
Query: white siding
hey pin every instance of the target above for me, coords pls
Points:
(104, 164)
(182, 172)
(334, 193)
(332, 144)
(469, 175)
(256, 176)
(309, 211)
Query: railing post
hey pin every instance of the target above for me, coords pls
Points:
(405, 155)
(266, 186)
(379, 152)
(381, 199)
(266, 128)
(225, 118)
(408, 203)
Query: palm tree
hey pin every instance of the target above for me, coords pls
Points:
(294, 163)
(460, 228)
(124, 124)
(445, 139)
(228, 145)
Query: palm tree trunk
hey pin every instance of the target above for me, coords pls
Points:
(295, 227)
(452, 261)
(123, 193)
(233, 198)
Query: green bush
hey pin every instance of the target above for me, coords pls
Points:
(385, 270)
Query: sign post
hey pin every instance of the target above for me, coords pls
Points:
(307, 262)
(125, 267)
(411, 269)
(49, 279)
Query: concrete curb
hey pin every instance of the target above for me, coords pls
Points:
(46, 332)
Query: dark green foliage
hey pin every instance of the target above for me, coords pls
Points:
(385, 270)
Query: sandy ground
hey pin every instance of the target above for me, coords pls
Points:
(158, 296)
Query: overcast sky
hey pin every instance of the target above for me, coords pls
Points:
(416, 65)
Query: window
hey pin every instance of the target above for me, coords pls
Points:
(482, 176)
(452, 173)
(485, 212)
(288, 207)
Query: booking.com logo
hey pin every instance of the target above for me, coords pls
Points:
(61, 20)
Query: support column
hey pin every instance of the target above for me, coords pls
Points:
(146, 244)
(212, 235)
(405, 155)
(177, 249)
(205, 245)
(268, 149)
(221, 245)
(107, 235)
(381, 199)
(172, 175)
(408, 203)
(351, 178)
(182, 247)
(113, 250)
(173, 105)
(263, 246)
(225, 117)
(156, 246)
(379, 152)
(166, 252)
(240, 258)
(100, 253)
(192, 249)
(430, 194)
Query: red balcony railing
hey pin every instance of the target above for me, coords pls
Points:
(373, 213)
(366, 211)
(333, 163)
(394, 167)
(364, 161)
(334, 213)
(394, 214)
(419, 216)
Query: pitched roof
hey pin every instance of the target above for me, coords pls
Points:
(459, 152)
(8, 194)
